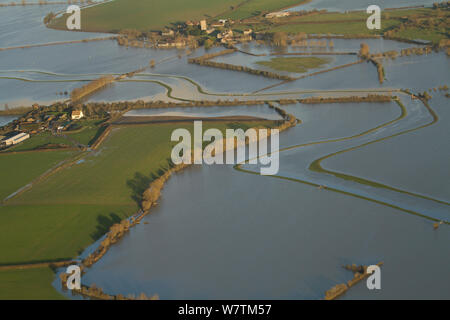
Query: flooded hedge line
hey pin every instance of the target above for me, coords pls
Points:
(95, 292)
(380, 69)
(150, 198)
(233, 67)
(359, 274)
(368, 98)
(205, 61)
(210, 56)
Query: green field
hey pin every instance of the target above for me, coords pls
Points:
(24, 167)
(256, 7)
(86, 132)
(297, 64)
(40, 141)
(60, 216)
(147, 15)
(354, 23)
(29, 284)
(40, 233)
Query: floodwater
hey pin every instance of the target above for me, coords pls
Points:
(6, 119)
(261, 237)
(259, 111)
(22, 25)
(236, 235)
(428, 158)
(347, 5)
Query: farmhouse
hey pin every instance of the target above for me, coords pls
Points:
(248, 32)
(77, 115)
(168, 33)
(16, 139)
(203, 25)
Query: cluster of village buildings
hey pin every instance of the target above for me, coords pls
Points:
(188, 33)
(221, 30)
(34, 122)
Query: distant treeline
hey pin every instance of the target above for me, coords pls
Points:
(57, 43)
(368, 98)
(45, 2)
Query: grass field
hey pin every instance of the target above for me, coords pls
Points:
(62, 215)
(297, 64)
(147, 15)
(354, 23)
(19, 169)
(87, 132)
(39, 141)
(30, 284)
(255, 7)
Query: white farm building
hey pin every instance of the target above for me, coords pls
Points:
(76, 115)
(16, 139)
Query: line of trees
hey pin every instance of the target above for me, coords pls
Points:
(239, 68)
(95, 292)
(210, 56)
(380, 69)
(94, 85)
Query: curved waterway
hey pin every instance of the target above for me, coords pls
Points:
(302, 163)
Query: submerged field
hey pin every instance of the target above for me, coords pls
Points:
(298, 65)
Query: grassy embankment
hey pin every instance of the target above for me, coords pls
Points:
(297, 64)
(60, 216)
